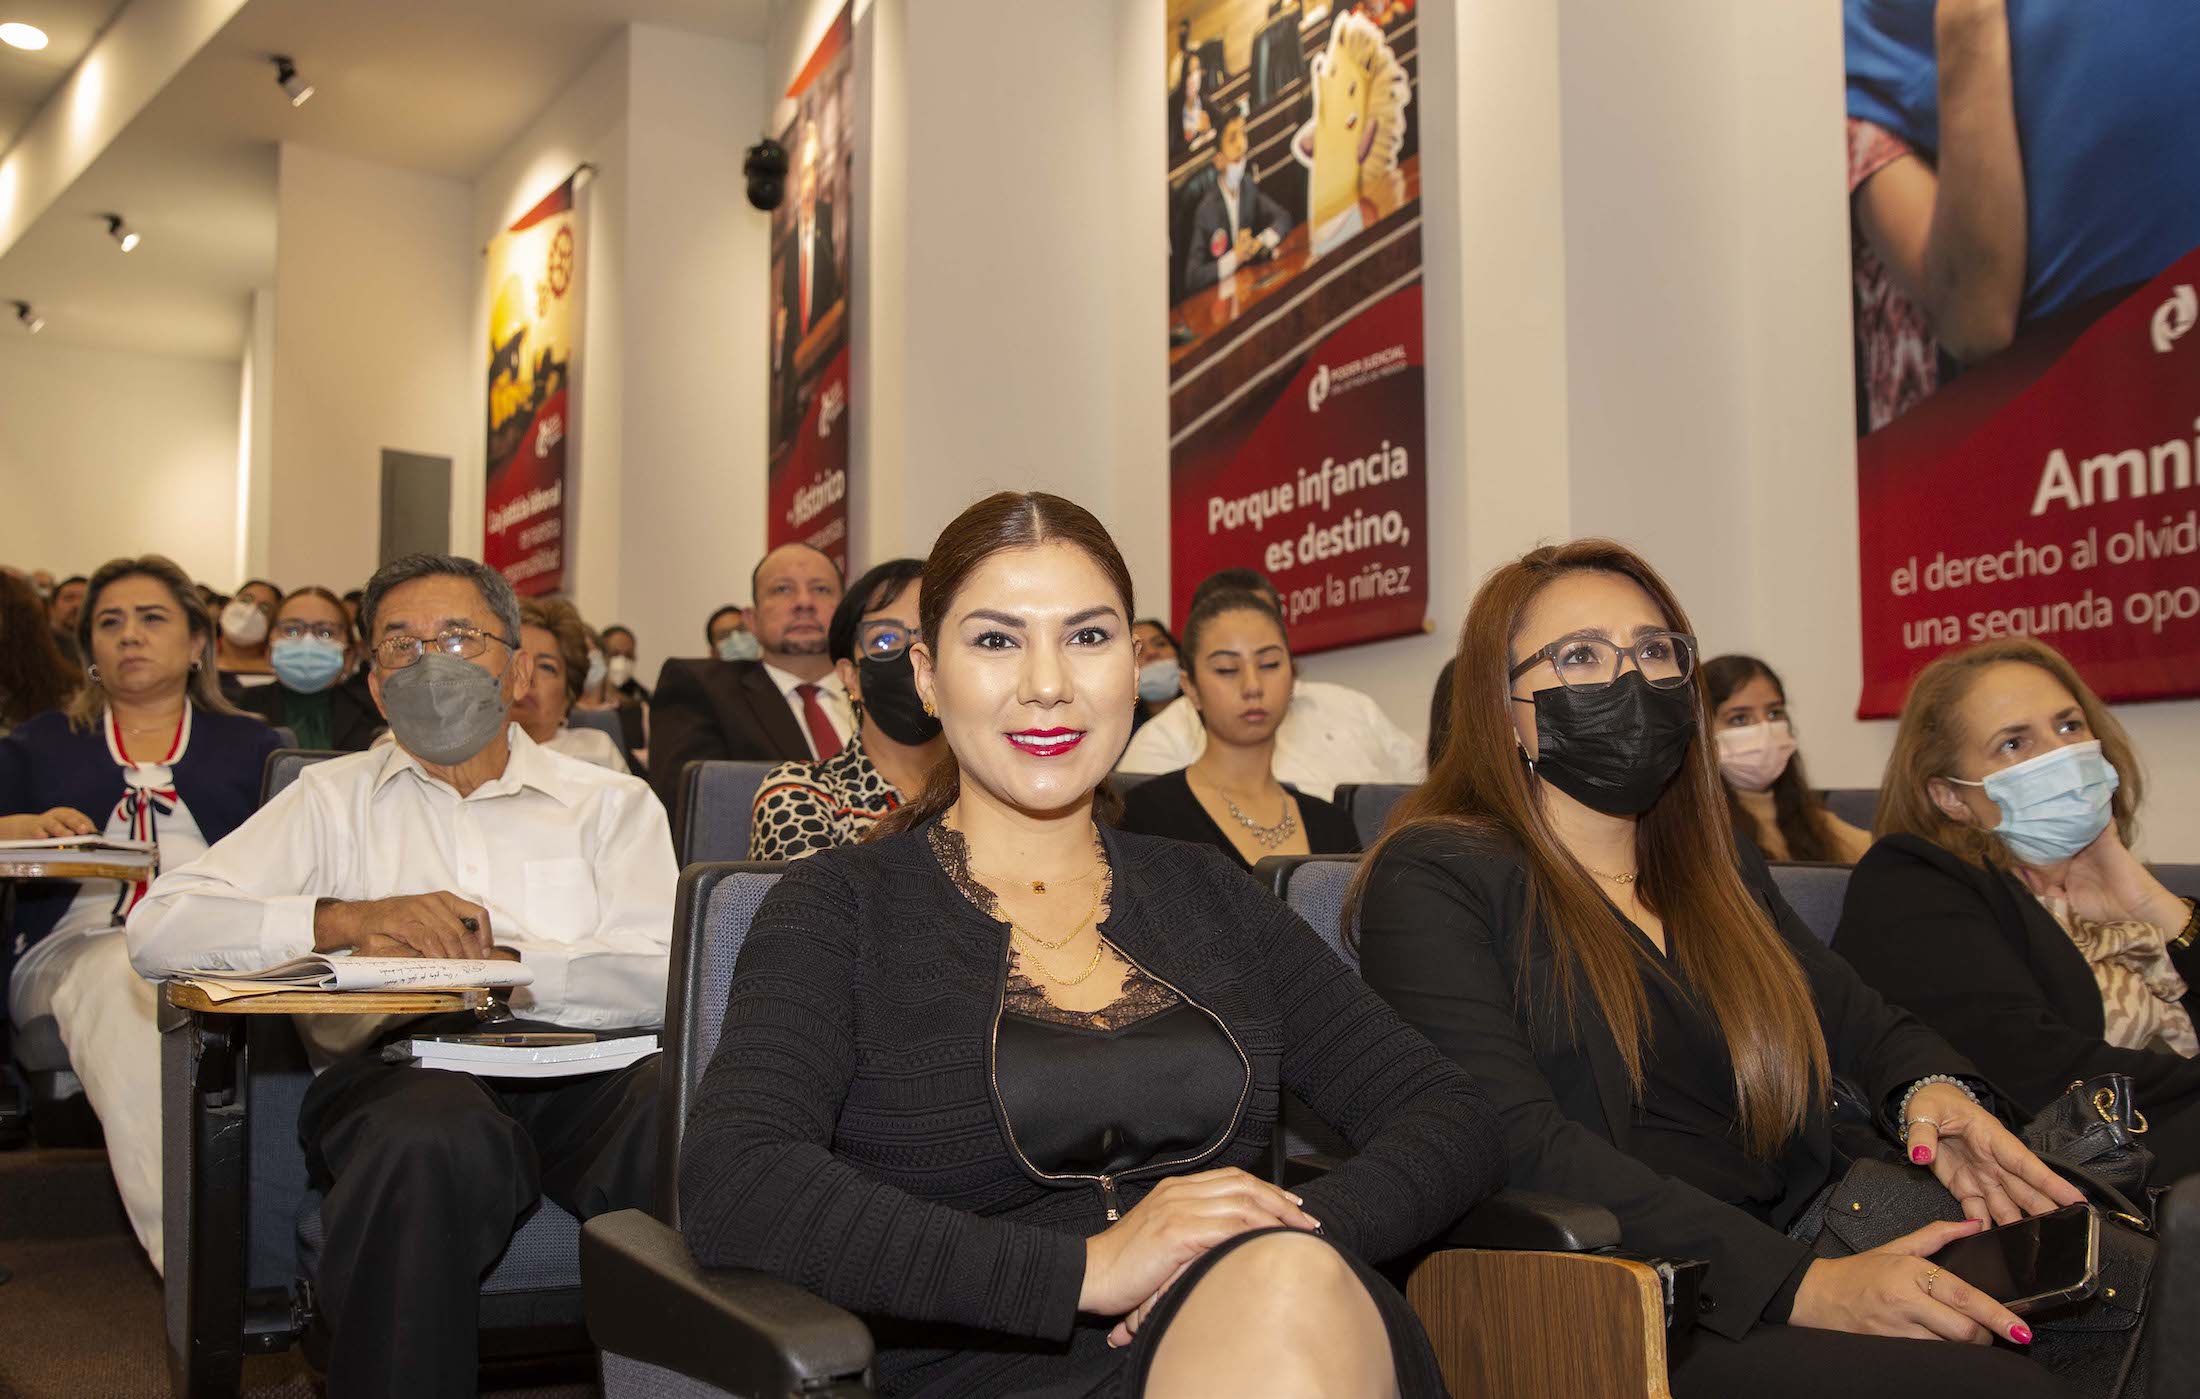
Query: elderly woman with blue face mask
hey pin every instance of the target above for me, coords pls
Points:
(318, 694)
(2003, 905)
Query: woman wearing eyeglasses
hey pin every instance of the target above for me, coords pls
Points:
(803, 808)
(1563, 908)
(319, 693)
(1768, 797)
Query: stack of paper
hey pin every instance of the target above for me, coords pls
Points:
(486, 1059)
(137, 854)
(318, 972)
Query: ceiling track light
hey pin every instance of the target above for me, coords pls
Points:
(295, 87)
(30, 320)
(125, 237)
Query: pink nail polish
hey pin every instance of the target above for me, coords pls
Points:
(1922, 1155)
(2021, 1334)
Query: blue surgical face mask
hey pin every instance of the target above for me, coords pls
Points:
(739, 646)
(307, 664)
(1157, 681)
(2052, 806)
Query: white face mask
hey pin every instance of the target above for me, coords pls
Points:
(243, 622)
(1232, 174)
(621, 670)
(1753, 757)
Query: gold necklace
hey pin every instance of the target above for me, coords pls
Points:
(1067, 938)
(1099, 945)
(1620, 879)
(1038, 886)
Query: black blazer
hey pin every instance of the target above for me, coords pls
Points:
(1165, 806)
(1983, 962)
(353, 719)
(718, 710)
(846, 1134)
(1257, 214)
(1444, 936)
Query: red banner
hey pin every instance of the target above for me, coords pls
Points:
(534, 270)
(2053, 491)
(807, 481)
(1296, 377)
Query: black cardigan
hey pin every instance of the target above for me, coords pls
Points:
(846, 1137)
(1983, 962)
(1443, 932)
(353, 719)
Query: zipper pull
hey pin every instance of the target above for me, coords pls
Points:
(1107, 1198)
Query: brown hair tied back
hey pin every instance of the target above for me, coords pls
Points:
(204, 689)
(1716, 931)
(999, 524)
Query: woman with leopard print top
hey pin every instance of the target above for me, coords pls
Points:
(803, 808)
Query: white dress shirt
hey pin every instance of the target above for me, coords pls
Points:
(830, 693)
(573, 863)
(1330, 734)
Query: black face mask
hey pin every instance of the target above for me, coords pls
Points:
(1614, 749)
(890, 698)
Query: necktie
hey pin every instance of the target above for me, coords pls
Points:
(823, 736)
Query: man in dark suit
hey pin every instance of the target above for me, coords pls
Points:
(1235, 224)
(788, 706)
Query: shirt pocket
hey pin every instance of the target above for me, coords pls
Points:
(561, 899)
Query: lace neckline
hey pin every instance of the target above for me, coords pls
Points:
(952, 850)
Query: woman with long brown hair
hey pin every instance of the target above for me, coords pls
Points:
(2003, 904)
(1001, 1076)
(34, 674)
(1768, 798)
(1563, 908)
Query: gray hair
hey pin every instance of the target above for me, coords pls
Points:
(496, 589)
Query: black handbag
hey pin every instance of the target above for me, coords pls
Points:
(2092, 1345)
(2092, 1131)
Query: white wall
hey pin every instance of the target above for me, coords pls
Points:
(105, 453)
(372, 290)
(670, 441)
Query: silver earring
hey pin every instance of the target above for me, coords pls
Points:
(91, 673)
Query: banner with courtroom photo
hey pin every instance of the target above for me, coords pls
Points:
(2024, 183)
(1297, 425)
(534, 325)
(807, 491)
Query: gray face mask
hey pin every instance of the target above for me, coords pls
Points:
(444, 710)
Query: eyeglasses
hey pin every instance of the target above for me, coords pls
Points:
(883, 640)
(1665, 659)
(298, 631)
(463, 643)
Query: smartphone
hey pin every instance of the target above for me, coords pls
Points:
(2034, 1263)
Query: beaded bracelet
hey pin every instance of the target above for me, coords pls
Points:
(1902, 1113)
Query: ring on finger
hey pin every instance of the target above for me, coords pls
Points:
(1932, 1275)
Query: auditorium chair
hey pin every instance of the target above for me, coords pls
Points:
(2175, 1341)
(1859, 806)
(243, 1228)
(1554, 1261)
(2181, 880)
(1815, 892)
(1510, 1303)
(1369, 804)
(607, 721)
(717, 809)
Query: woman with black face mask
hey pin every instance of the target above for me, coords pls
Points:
(803, 808)
(1564, 909)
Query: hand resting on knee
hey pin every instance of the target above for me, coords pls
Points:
(1132, 1262)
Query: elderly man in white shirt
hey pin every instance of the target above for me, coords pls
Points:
(463, 839)
(1331, 734)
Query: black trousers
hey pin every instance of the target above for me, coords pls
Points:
(426, 1175)
(1798, 1362)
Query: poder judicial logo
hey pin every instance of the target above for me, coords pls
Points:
(1317, 389)
(2174, 317)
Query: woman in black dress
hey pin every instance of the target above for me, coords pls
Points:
(1563, 908)
(2004, 905)
(997, 1077)
(1240, 682)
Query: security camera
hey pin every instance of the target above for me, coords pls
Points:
(766, 167)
